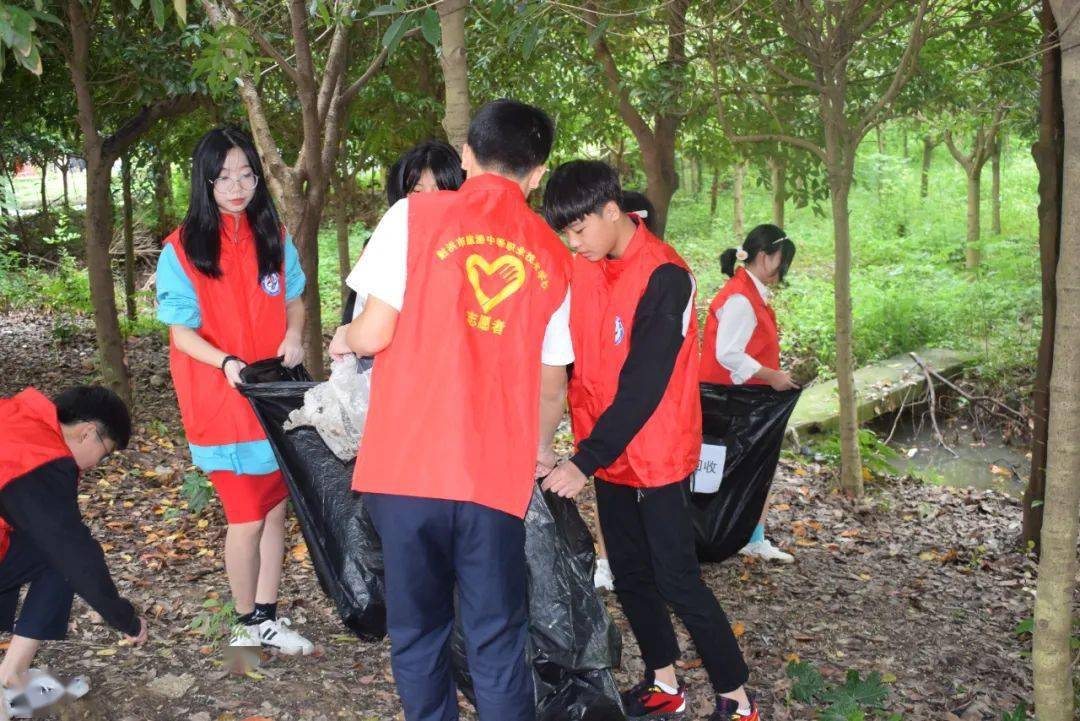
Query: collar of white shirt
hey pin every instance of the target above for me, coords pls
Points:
(763, 289)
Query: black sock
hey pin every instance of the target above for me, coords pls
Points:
(265, 612)
(248, 619)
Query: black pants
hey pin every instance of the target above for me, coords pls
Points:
(650, 545)
(47, 606)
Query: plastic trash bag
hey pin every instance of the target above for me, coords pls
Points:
(749, 421)
(341, 539)
(337, 408)
(573, 642)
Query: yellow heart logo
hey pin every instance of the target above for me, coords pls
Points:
(508, 268)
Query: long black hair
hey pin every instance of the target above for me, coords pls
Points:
(200, 232)
(441, 159)
(765, 238)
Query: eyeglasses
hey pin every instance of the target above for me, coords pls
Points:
(108, 451)
(247, 181)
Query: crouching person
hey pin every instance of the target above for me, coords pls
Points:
(44, 446)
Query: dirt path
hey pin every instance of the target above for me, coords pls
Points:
(921, 583)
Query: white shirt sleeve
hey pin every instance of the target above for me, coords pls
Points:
(558, 349)
(383, 265)
(735, 326)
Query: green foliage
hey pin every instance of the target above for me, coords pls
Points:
(909, 285)
(1017, 714)
(329, 278)
(197, 490)
(215, 621)
(876, 456)
(857, 699)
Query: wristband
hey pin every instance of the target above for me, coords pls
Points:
(227, 359)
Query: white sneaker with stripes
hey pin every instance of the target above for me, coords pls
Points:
(278, 635)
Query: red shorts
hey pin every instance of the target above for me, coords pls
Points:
(247, 498)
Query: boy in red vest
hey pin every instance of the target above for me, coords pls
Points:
(636, 415)
(44, 446)
(466, 309)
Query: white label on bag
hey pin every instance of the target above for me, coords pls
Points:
(710, 470)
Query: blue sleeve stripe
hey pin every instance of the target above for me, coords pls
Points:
(177, 302)
(295, 281)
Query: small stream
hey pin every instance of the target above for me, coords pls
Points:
(986, 463)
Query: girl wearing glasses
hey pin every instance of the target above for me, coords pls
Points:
(742, 342)
(229, 283)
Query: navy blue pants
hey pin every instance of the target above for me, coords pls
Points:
(431, 547)
(47, 606)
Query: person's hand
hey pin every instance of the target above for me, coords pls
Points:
(338, 347)
(143, 633)
(566, 480)
(232, 369)
(781, 381)
(545, 461)
(291, 350)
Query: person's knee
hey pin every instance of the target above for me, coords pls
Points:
(248, 530)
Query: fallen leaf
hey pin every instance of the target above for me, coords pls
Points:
(738, 629)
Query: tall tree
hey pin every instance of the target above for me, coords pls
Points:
(826, 50)
(1051, 653)
(982, 145)
(318, 77)
(162, 90)
(1048, 158)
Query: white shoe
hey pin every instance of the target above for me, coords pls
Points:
(603, 579)
(245, 636)
(280, 636)
(766, 552)
(41, 692)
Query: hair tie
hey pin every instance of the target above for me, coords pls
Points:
(741, 254)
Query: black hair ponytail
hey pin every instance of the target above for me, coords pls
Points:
(765, 238)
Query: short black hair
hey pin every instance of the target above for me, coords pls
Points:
(510, 137)
(97, 405)
(577, 189)
(441, 159)
(635, 202)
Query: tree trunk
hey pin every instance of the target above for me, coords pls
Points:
(779, 181)
(697, 176)
(738, 206)
(974, 187)
(99, 212)
(714, 192)
(880, 139)
(995, 188)
(455, 70)
(904, 136)
(44, 190)
(1051, 656)
(129, 237)
(64, 176)
(341, 222)
(661, 177)
(928, 144)
(162, 195)
(1048, 158)
(839, 154)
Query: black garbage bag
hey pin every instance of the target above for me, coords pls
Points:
(749, 421)
(340, 536)
(573, 643)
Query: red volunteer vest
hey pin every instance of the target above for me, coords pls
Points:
(30, 437)
(240, 315)
(455, 398)
(605, 297)
(764, 345)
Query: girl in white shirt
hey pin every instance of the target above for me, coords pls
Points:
(742, 341)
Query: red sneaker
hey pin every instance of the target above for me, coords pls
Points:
(728, 710)
(649, 701)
